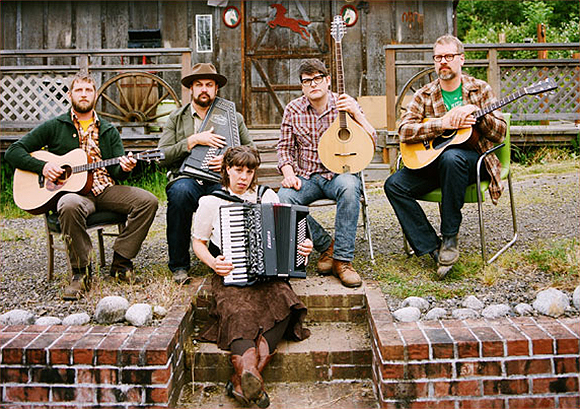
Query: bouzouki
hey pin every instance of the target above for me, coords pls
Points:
(420, 154)
(36, 194)
(345, 146)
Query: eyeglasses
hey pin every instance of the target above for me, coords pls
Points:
(312, 81)
(448, 57)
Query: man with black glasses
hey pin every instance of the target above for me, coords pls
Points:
(306, 179)
(448, 102)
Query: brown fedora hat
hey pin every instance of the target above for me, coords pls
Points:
(204, 71)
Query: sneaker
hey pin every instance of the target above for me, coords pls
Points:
(346, 273)
(324, 264)
(180, 276)
(81, 283)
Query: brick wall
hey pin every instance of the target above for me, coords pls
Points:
(114, 366)
(505, 363)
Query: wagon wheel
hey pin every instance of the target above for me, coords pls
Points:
(411, 86)
(133, 96)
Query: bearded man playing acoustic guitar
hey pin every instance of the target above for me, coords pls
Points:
(82, 128)
(306, 179)
(450, 101)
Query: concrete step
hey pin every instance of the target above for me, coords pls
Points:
(336, 351)
(307, 395)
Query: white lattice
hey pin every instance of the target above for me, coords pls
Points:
(32, 98)
(563, 102)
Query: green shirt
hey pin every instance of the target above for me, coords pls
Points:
(453, 98)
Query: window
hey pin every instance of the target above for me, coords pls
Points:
(203, 33)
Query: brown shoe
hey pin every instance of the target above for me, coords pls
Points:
(81, 282)
(122, 270)
(346, 273)
(324, 264)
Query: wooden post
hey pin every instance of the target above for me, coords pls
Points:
(391, 95)
(185, 69)
(493, 74)
(542, 55)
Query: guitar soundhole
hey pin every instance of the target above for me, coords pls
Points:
(344, 134)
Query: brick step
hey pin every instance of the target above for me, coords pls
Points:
(307, 395)
(325, 297)
(335, 351)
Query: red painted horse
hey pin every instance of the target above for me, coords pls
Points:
(292, 23)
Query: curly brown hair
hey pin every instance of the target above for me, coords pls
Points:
(247, 156)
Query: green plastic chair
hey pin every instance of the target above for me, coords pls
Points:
(475, 193)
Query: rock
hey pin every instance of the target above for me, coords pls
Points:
(139, 314)
(524, 309)
(417, 302)
(472, 302)
(407, 314)
(551, 302)
(159, 311)
(464, 314)
(496, 311)
(111, 309)
(17, 317)
(81, 318)
(576, 298)
(48, 321)
(436, 314)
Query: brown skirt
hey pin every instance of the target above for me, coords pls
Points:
(246, 312)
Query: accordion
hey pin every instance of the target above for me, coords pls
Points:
(261, 241)
(222, 117)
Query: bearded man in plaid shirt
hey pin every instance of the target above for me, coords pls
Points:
(450, 100)
(306, 179)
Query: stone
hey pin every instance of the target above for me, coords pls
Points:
(436, 314)
(464, 314)
(81, 318)
(159, 311)
(407, 314)
(417, 302)
(473, 303)
(48, 321)
(496, 311)
(139, 314)
(524, 309)
(111, 309)
(17, 317)
(576, 298)
(551, 302)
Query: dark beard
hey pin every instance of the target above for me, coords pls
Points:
(82, 109)
(203, 103)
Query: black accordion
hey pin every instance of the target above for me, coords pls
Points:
(261, 241)
(222, 117)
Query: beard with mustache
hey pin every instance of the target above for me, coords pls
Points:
(203, 103)
(449, 75)
(82, 107)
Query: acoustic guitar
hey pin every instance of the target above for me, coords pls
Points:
(36, 194)
(420, 154)
(345, 146)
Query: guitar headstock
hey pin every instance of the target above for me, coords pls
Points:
(151, 155)
(337, 28)
(542, 86)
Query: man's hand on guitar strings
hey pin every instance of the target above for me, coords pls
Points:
(221, 266)
(52, 171)
(207, 138)
(347, 103)
(127, 162)
(459, 117)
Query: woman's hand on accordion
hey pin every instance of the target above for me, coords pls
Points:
(222, 267)
(305, 248)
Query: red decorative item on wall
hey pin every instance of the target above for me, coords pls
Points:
(349, 15)
(231, 16)
(292, 23)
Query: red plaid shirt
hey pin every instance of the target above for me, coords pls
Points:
(428, 103)
(301, 130)
(89, 142)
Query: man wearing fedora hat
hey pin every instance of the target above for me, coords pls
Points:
(180, 135)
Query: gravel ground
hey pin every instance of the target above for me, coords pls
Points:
(547, 208)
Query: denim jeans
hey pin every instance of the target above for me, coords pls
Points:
(453, 171)
(345, 189)
(182, 201)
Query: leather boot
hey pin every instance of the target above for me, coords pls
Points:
(449, 253)
(234, 386)
(346, 273)
(324, 264)
(264, 358)
(246, 367)
(122, 269)
(81, 282)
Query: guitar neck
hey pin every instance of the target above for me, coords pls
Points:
(340, 81)
(498, 104)
(94, 165)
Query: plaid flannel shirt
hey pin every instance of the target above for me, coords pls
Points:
(89, 142)
(428, 103)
